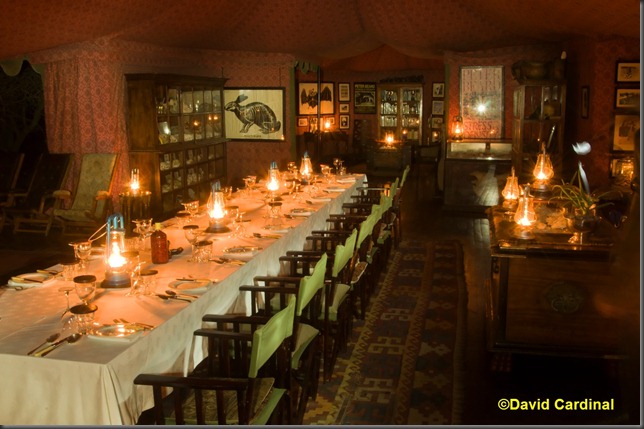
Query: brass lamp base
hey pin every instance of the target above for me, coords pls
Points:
(115, 280)
(217, 228)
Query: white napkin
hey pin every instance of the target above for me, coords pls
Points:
(349, 179)
(319, 199)
(45, 278)
(245, 256)
(303, 213)
(332, 189)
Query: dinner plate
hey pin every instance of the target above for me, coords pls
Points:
(196, 285)
(119, 332)
(30, 279)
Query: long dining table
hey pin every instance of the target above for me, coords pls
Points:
(90, 382)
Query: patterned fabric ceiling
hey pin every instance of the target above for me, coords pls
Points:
(350, 34)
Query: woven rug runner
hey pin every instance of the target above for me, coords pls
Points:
(405, 362)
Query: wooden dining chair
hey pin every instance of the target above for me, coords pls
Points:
(231, 385)
(271, 293)
(31, 211)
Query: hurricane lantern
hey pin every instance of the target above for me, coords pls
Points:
(273, 181)
(511, 191)
(457, 128)
(525, 215)
(306, 168)
(116, 265)
(135, 183)
(216, 209)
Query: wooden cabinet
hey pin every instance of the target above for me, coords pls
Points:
(176, 137)
(539, 117)
(548, 296)
(400, 112)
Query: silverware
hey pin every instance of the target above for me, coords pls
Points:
(71, 339)
(143, 325)
(50, 339)
(50, 272)
(173, 293)
(258, 235)
(25, 279)
(166, 297)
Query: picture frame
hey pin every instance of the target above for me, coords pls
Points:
(303, 121)
(344, 107)
(268, 127)
(585, 101)
(364, 97)
(344, 122)
(628, 71)
(437, 122)
(624, 132)
(308, 98)
(330, 120)
(482, 86)
(313, 124)
(438, 89)
(627, 98)
(438, 107)
(344, 92)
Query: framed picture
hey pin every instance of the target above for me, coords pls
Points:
(313, 124)
(308, 102)
(344, 108)
(330, 120)
(438, 90)
(344, 92)
(364, 97)
(627, 98)
(628, 72)
(585, 101)
(624, 133)
(303, 121)
(437, 122)
(438, 107)
(264, 122)
(344, 122)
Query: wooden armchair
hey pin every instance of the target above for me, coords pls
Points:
(230, 386)
(91, 202)
(31, 211)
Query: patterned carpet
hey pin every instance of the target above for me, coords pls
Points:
(404, 364)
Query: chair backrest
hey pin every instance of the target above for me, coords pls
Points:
(310, 285)
(270, 337)
(404, 176)
(51, 173)
(96, 174)
(344, 253)
(10, 164)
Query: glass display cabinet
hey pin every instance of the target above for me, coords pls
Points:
(176, 137)
(539, 118)
(400, 113)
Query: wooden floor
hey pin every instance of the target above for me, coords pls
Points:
(524, 378)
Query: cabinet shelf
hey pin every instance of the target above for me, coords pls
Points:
(400, 112)
(176, 137)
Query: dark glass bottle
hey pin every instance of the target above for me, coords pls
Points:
(159, 245)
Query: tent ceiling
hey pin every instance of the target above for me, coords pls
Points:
(350, 34)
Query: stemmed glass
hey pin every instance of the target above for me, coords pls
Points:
(239, 230)
(192, 207)
(192, 234)
(336, 163)
(249, 182)
(82, 252)
(65, 290)
(144, 229)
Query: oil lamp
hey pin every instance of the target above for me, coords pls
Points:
(273, 181)
(543, 172)
(116, 265)
(306, 168)
(216, 209)
(135, 183)
(457, 128)
(525, 215)
(327, 125)
(511, 191)
(389, 140)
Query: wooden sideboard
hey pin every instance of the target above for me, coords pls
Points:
(546, 295)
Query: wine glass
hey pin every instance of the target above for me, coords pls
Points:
(336, 164)
(192, 207)
(82, 252)
(192, 234)
(144, 229)
(85, 287)
(65, 290)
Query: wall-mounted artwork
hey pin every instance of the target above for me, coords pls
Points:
(625, 132)
(344, 92)
(481, 97)
(628, 72)
(364, 97)
(254, 113)
(308, 99)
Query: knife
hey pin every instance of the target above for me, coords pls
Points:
(25, 279)
(51, 347)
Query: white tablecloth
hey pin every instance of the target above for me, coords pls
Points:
(91, 382)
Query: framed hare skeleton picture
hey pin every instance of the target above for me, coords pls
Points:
(254, 113)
